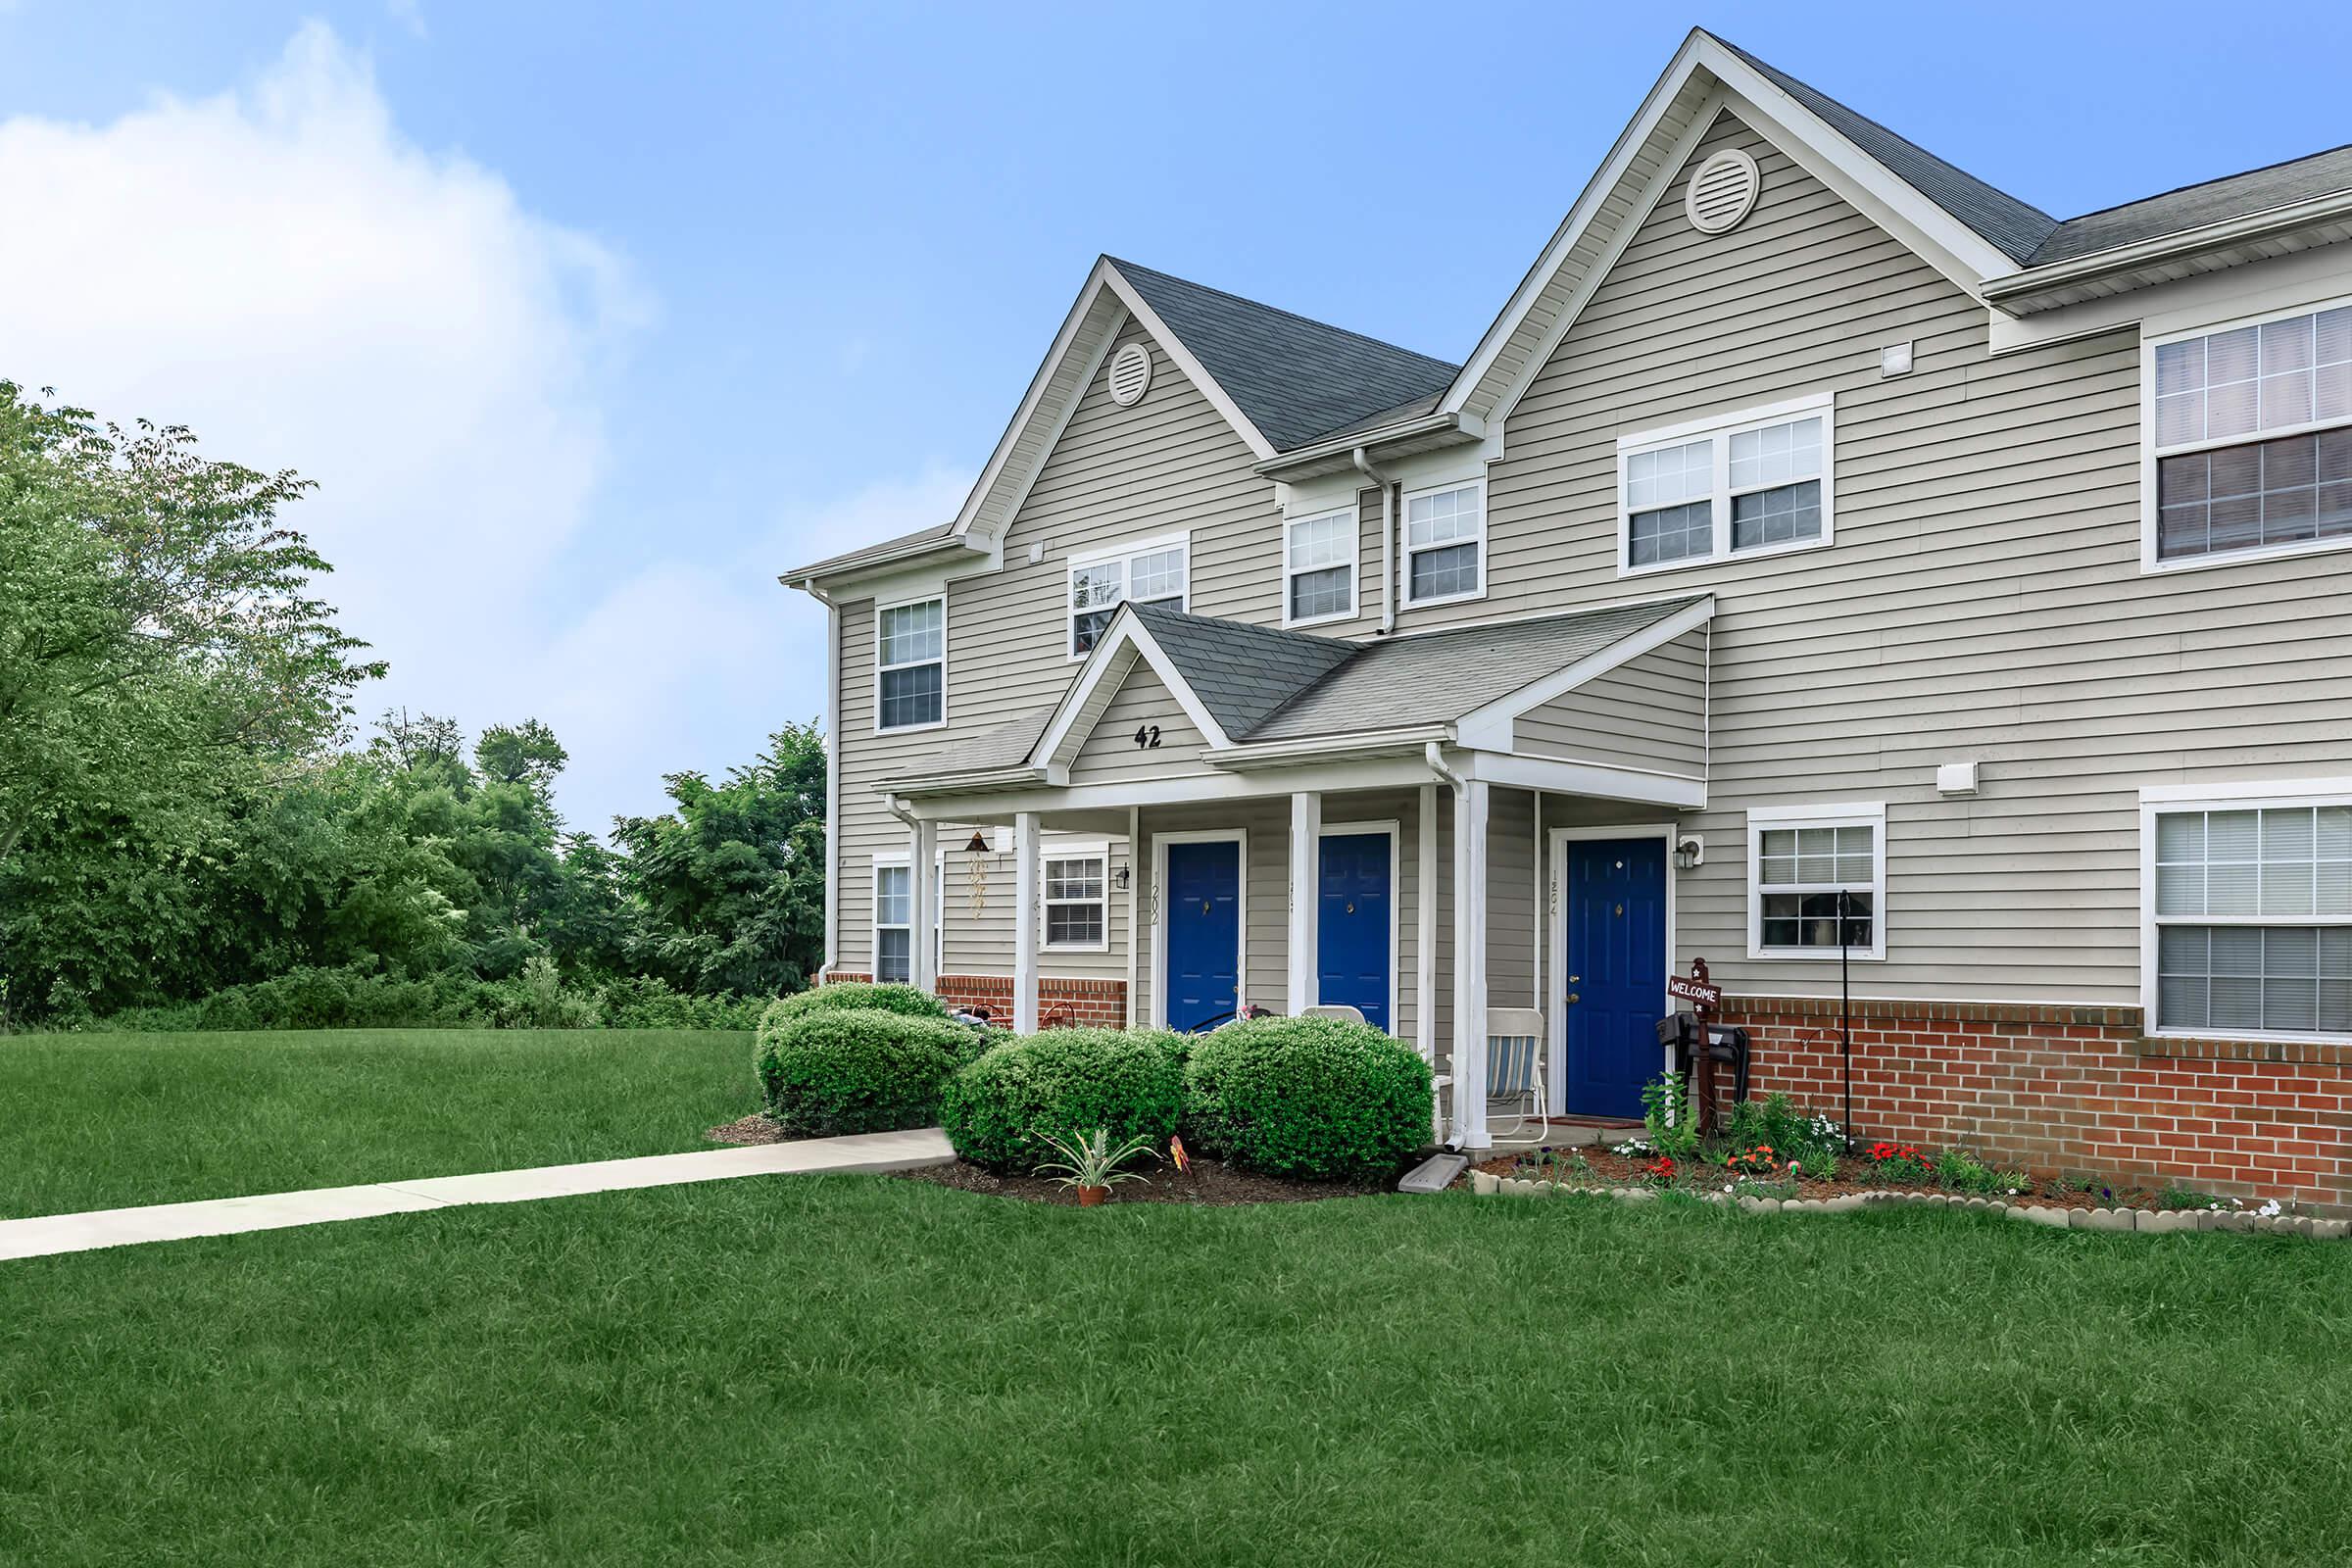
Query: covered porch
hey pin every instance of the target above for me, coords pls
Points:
(1510, 843)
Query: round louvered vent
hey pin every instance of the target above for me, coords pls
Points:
(1723, 190)
(1129, 376)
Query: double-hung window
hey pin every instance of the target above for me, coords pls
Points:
(1077, 899)
(894, 919)
(1318, 575)
(1744, 484)
(1154, 572)
(1445, 544)
(911, 657)
(2250, 439)
(2251, 928)
(1817, 881)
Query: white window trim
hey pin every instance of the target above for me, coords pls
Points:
(1406, 552)
(880, 668)
(1124, 550)
(1720, 429)
(939, 911)
(2149, 561)
(2163, 799)
(1846, 813)
(1353, 517)
(1074, 850)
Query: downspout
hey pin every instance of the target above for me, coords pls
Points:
(832, 776)
(1387, 545)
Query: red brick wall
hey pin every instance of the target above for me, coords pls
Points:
(2067, 1089)
(1058, 1002)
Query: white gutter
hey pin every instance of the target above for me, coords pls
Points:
(832, 777)
(1388, 541)
(2032, 281)
(1322, 748)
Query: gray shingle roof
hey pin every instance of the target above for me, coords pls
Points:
(937, 533)
(1240, 672)
(1437, 677)
(1008, 745)
(2195, 205)
(2012, 226)
(1295, 380)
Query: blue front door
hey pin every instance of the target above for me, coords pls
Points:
(1203, 969)
(1352, 888)
(1615, 972)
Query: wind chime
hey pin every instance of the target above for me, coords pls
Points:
(975, 871)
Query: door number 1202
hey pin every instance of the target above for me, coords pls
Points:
(1147, 738)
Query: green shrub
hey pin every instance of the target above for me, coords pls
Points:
(838, 1070)
(1791, 1134)
(1313, 1098)
(1000, 1111)
(905, 1000)
(641, 1002)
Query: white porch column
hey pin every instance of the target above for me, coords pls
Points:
(922, 881)
(1470, 964)
(1425, 926)
(1306, 832)
(1026, 869)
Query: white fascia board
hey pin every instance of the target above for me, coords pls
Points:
(1378, 773)
(2258, 288)
(1582, 778)
(1031, 400)
(1330, 748)
(1123, 642)
(1489, 728)
(899, 581)
(2020, 290)
(1174, 348)
(1958, 252)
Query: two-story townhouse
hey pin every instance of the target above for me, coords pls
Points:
(1929, 612)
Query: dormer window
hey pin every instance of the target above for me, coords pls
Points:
(1750, 483)
(1156, 572)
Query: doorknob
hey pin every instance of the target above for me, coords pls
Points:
(1572, 998)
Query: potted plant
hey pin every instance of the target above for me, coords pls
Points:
(1091, 1164)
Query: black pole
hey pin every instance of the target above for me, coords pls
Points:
(1845, 1017)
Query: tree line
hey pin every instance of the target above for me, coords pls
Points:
(187, 803)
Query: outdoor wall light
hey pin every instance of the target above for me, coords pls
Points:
(1690, 852)
(978, 846)
(1119, 879)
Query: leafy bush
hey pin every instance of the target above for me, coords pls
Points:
(1002, 1110)
(1315, 1097)
(1776, 1123)
(1669, 1127)
(856, 993)
(358, 998)
(838, 1070)
(1960, 1171)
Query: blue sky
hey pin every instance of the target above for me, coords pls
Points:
(590, 319)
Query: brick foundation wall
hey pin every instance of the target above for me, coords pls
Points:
(1058, 1002)
(2060, 1089)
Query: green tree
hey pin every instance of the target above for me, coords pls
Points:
(732, 882)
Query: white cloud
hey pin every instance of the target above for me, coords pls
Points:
(684, 648)
(281, 270)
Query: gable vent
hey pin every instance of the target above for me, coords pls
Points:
(1722, 192)
(1130, 375)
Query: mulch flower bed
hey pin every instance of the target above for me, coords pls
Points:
(757, 1128)
(1608, 1169)
(1205, 1181)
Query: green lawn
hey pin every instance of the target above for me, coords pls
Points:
(103, 1121)
(856, 1370)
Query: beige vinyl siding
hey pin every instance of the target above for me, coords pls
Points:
(1649, 714)
(1168, 465)
(1982, 599)
(1110, 754)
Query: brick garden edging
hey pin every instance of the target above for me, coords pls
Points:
(2144, 1221)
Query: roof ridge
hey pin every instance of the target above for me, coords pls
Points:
(1276, 310)
(1888, 132)
(2200, 184)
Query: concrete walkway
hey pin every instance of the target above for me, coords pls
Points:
(225, 1216)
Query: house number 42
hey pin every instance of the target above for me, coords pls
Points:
(1147, 738)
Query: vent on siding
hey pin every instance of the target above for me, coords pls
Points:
(1130, 375)
(1722, 192)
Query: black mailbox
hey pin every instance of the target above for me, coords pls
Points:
(1725, 1043)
